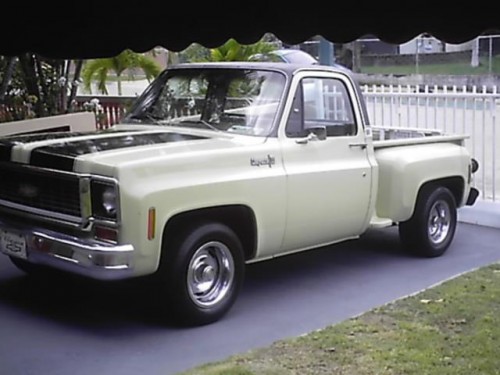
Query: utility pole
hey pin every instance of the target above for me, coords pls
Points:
(490, 55)
(326, 51)
(474, 62)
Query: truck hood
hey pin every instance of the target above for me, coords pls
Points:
(63, 150)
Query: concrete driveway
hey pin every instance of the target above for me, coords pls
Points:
(67, 326)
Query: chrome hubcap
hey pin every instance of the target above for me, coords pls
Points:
(210, 274)
(439, 221)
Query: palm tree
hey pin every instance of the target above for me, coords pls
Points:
(229, 51)
(234, 51)
(99, 69)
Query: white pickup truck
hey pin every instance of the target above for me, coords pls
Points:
(222, 164)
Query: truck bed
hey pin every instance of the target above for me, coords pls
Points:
(392, 137)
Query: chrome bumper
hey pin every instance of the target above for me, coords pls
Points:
(85, 257)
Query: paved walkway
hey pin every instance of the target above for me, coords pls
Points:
(482, 213)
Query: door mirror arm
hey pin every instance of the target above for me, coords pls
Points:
(317, 133)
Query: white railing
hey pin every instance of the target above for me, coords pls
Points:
(452, 110)
(449, 109)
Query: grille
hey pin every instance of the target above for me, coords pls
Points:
(47, 191)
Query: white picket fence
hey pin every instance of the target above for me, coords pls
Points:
(472, 111)
(452, 110)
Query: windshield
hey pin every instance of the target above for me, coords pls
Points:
(232, 100)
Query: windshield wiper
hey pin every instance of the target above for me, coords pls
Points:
(203, 122)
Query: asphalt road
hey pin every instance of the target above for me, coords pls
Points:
(70, 327)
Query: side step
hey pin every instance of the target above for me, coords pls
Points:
(378, 222)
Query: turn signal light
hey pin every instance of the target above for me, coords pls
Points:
(41, 244)
(106, 234)
(151, 223)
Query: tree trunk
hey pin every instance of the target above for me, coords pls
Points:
(74, 85)
(9, 72)
(119, 83)
(172, 58)
(27, 64)
(63, 103)
(345, 56)
(46, 98)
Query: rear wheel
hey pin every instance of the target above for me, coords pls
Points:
(431, 229)
(201, 272)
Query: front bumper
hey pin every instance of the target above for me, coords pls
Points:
(86, 257)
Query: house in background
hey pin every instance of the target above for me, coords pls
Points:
(422, 44)
(370, 44)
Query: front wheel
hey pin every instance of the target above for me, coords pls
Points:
(201, 273)
(431, 229)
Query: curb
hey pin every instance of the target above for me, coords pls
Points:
(483, 213)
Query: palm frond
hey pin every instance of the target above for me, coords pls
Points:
(98, 69)
(232, 50)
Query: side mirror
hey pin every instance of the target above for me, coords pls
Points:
(317, 133)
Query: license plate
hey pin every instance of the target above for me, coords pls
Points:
(13, 244)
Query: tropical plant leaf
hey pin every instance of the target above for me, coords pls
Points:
(98, 70)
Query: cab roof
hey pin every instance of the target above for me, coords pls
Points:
(286, 68)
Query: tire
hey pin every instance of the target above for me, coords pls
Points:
(431, 229)
(200, 273)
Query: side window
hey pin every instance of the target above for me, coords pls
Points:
(322, 102)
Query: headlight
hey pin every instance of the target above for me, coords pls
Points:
(109, 201)
(104, 200)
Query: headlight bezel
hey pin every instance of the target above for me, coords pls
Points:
(105, 199)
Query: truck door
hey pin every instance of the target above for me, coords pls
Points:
(325, 155)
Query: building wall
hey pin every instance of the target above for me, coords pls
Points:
(459, 47)
(422, 45)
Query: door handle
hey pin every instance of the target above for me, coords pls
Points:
(361, 145)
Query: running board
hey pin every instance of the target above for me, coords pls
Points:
(378, 222)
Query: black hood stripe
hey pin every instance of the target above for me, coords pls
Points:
(62, 155)
(36, 137)
(8, 142)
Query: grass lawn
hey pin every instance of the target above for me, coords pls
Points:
(450, 329)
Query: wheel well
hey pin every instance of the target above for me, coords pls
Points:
(455, 185)
(239, 218)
